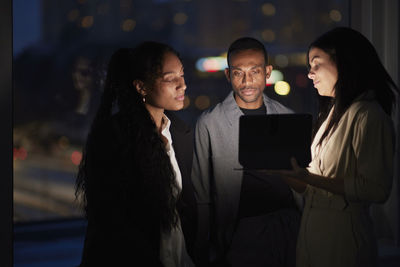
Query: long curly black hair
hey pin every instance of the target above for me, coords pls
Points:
(126, 65)
(359, 70)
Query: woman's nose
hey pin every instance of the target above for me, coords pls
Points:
(311, 75)
(182, 84)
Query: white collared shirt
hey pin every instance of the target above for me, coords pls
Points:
(170, 150)
(172, 245)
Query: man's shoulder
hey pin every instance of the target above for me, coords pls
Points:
(215, 112)
(276, 105)
(211, 114)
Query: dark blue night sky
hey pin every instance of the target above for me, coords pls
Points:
(26, 23)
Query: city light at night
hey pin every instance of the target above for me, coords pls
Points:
(282, 88)
(211, 64)
(276, 76)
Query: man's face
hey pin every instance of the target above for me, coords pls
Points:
(248, 75)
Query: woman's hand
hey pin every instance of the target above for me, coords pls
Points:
(295, 178)
(297, 172)
(298, 178)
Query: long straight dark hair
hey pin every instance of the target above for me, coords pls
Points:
(359, 70)
(155, 171)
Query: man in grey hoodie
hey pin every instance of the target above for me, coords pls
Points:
(242, 220)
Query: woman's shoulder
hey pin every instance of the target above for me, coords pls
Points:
(177, 122)
(368, 111)
(367, 106)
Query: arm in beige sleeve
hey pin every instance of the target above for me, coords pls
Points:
(373, 144)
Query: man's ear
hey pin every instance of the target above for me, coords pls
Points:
(268, 70)
(139, 86)
(227, 74)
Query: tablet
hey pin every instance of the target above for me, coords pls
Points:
(269, 141)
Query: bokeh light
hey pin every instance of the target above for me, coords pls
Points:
(281, 61)
(202, 102)
(76, 157)
(128, 25)
(335, 15)
(268, 9)
(87, 21)
(298, 59)
(180, 18)
(276, 76)
(73, 15)
(19, 153)
(268, 35)
(211, 64)
(282, 88)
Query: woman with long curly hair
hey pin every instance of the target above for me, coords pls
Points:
(352, 152)
(132, 173)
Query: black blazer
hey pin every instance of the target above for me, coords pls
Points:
(120, 227)
(182, 141)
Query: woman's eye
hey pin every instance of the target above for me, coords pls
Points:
(168, 79)
(314, 67)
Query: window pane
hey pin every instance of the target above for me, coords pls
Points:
(61, 49)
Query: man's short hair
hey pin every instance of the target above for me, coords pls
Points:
(246, 43)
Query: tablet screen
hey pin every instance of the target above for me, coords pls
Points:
(269, 141)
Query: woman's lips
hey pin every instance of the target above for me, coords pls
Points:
(180, 98)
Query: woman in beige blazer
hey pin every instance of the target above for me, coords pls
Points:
(352, 152)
